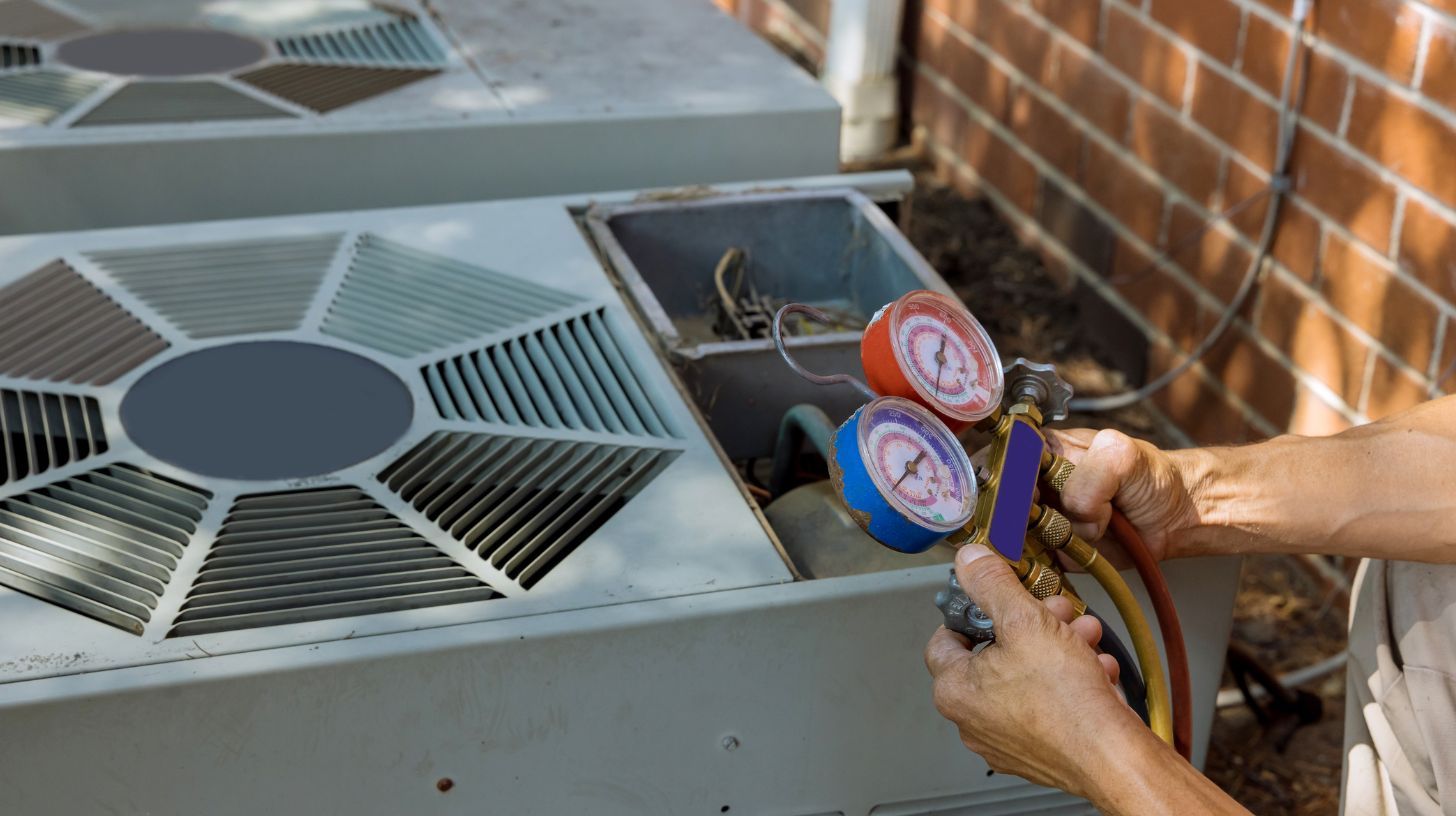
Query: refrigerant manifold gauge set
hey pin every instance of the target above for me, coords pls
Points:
(931, 371)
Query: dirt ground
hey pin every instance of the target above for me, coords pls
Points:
(1284, 617)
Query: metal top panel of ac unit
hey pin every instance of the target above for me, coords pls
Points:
(117, 114)
(238, 435)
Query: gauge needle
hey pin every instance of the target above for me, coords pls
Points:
(939, 364)
(909, 470)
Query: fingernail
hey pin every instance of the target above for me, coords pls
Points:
(971, 552)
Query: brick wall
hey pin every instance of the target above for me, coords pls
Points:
(1110, 131)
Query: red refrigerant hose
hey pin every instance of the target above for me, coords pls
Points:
(1172, 631)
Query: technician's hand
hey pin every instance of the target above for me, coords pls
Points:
(1115, 469)
(1038, 702)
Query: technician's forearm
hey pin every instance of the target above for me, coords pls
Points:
(1384, 490)
(1148, 777)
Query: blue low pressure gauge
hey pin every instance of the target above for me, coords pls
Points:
(904, 476)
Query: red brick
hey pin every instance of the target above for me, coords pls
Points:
(1314, 417)
(1253, 375)
(1212, 26)
(1199, 409)
(1382, 33)
(1235, 116)
(1428, 248)
(1406, 138)
(1090, 90)
(1159, 297)
(1266, 48)
(966, 14)
(1361, 286)
(1149, 58)
(1297, 233)
(1011, 31)
(973, 75)
(1076, 17)
(1113, 183)
(1338, 186)
(944, 117)
(1000, 166)
(1179, 155)
(1212, 257)
(1446, 370)
(1266, 51)
(786, 29)
(1438, 80)
(1393, 390)
(1312, 339)
(1050, 134)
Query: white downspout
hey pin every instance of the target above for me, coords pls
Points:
(859, 72)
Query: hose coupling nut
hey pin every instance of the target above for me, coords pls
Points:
(1058, 472)
(1053, 531)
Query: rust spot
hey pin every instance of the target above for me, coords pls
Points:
(445, 784)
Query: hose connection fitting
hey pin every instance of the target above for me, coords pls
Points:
(1053, 531)
(1057, 472)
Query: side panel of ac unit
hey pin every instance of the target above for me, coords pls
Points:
(787, 700)
(264, 174)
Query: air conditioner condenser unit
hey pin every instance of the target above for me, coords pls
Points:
(398, 511)
(153, 111)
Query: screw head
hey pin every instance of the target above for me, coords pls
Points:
(730, 743)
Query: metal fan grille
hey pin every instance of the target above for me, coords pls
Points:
(323, 58)
(18, 56)
(226, 288)
(568, 375)
(149, 102)
(40, 96)
(403, 301)
(315, 555)
(31, 20)
(523, 504)
(325, 88)
(401, 42)
(103, 544)
(63, 328)
(548, 362)
(40, 431)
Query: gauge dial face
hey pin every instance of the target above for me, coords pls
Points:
(917, 464)
(947, 356)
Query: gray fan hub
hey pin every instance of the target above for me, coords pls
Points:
(161, 52)
(269, 410)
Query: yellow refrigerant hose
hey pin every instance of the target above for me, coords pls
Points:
(1160, 706)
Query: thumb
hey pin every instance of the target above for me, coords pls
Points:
(989, 581)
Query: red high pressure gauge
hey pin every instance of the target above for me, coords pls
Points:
(926, 347)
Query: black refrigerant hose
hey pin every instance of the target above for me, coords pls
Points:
(1130, 678)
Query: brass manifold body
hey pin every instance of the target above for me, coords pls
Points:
(1047, 533)
(1047, 530)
